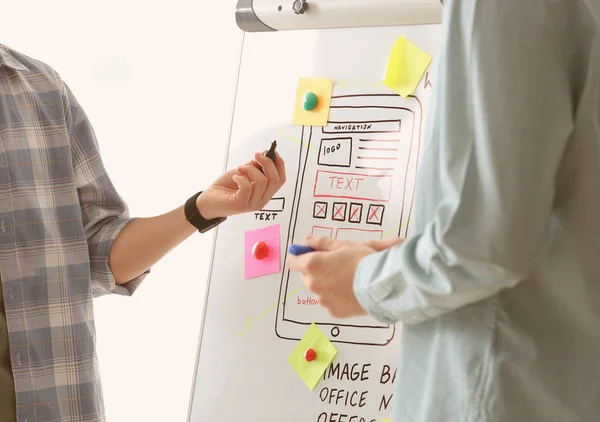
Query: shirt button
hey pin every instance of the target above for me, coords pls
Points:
(19, 359)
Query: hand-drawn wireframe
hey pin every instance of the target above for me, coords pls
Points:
(355, 181)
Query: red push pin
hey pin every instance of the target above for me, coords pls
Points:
(310, 355)
(260, 250)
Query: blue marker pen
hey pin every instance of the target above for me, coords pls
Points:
(300, 249)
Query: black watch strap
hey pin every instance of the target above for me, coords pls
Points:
(192, 214)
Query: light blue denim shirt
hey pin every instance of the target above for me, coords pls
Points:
(498, 288)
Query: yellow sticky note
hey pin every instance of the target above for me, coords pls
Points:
(406, 66)
(322, 352)
(321, 88)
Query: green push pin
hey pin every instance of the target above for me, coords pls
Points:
(310, 101)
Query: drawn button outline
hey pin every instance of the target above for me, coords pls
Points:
(318, 210)
(335, 213)
(275, 205)
(373, 212)
(352, 216)
(323, 228)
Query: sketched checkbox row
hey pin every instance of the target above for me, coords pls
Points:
(339, 212)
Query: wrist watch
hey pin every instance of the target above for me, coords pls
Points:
(192, 214)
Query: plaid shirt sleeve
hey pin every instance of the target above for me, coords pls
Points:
(103, 211)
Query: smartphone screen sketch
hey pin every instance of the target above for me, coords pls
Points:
(356, 182)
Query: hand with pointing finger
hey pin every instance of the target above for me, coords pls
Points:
(243, 189)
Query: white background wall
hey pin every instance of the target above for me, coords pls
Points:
(157, 80)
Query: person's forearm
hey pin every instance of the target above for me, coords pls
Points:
(144, 241)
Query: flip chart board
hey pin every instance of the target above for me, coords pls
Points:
(352, 178)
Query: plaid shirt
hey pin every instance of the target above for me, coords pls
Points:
(59, 216)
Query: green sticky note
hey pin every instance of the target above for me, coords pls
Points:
(406, 66)
(309, 370)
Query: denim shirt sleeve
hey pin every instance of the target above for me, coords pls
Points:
(505, 114)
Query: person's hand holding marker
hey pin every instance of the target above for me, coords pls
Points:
(248, 187)
(327, 267)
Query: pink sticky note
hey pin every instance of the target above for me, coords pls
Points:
(269, 264)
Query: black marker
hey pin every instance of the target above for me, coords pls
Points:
(270, 153)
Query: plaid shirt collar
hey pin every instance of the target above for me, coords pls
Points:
(9, 61)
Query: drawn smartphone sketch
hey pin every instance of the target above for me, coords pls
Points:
(356, 181)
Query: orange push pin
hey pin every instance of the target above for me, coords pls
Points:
(260, 250)
(310, 355)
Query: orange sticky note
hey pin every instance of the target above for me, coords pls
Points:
(406, 66)
(304, 112)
